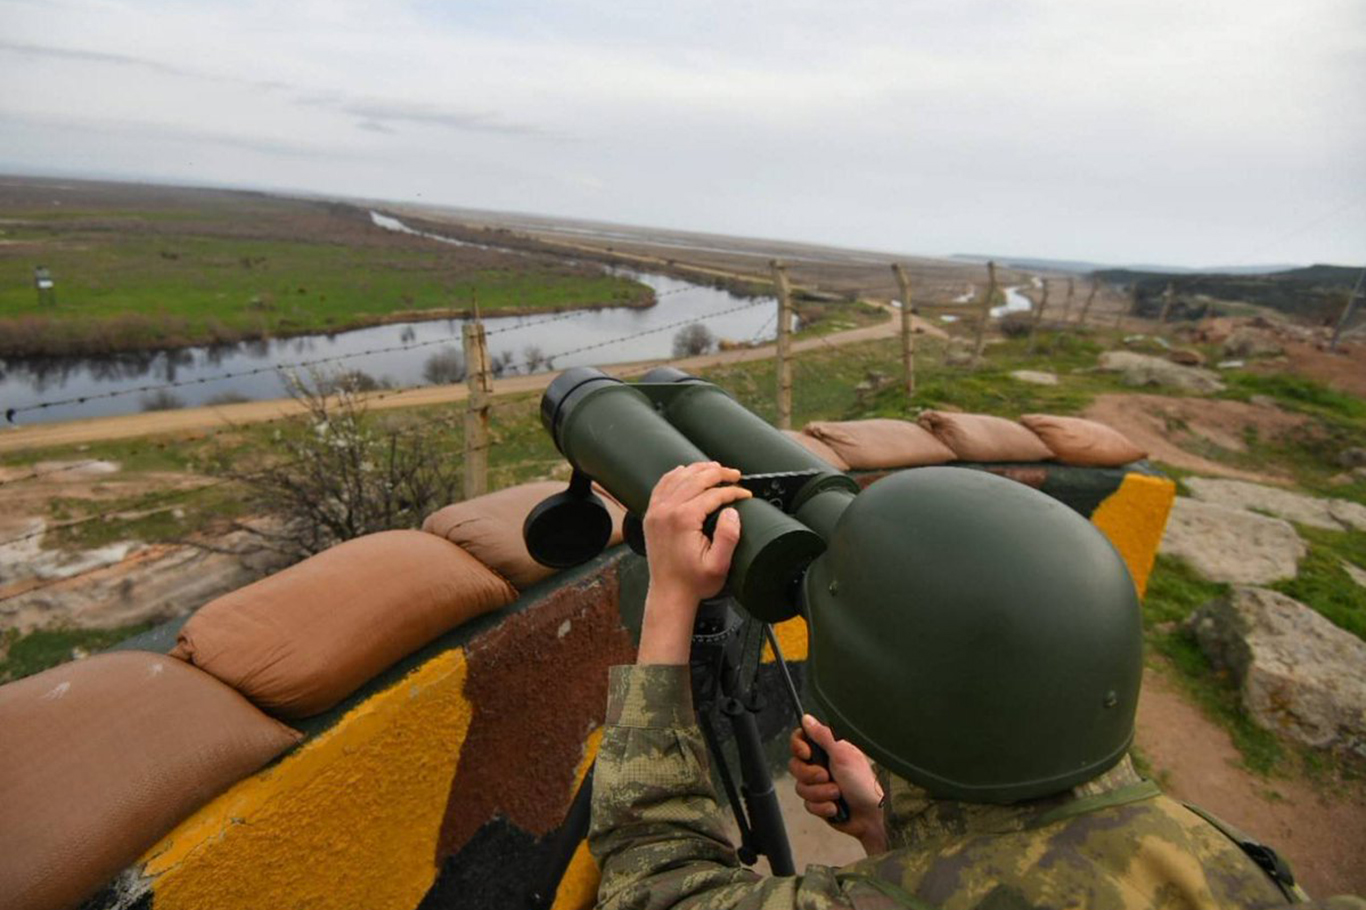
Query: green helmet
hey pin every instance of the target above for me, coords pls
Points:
(974, 636)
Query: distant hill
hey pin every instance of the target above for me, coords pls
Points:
(1083, 267)
(1315, 292)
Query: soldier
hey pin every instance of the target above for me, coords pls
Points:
(968, 817)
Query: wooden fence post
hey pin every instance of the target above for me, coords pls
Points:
(1346, 312)
(784, 345)
(478, 407)
(1086, 307)
(1067, 304)
(1133, 304)
(907, 328)
(1168, 296)
(985, 316)
(1038, 313)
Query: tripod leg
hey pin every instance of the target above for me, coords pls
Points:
(567, 840)
(765, 816)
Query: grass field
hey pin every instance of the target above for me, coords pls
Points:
(206, 268)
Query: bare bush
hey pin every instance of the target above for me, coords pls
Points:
(534, 358)
(162, 400)
(444, 367)
(348, 381)
(501, 362)
(692, 340)
(228, 398)
(345, 474)
(1017, 325)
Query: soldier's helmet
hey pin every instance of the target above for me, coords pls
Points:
(974, 636)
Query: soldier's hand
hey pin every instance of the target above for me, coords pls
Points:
(853, 778)
(685, 565)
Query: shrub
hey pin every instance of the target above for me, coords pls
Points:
(692, 340)
(162, 400)
(444, 367)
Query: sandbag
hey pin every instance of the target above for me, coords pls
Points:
(1075, 440)
(819, 449)
(982, 437)
(101, 757)
(867, 445)
(303, 639)
(490, 528)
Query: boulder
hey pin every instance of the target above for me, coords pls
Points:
(1187, 357)
(1144, 370)
(1299, 674)
(1332, 514)
(1251, 342)
(1355, 457)
(1035, 377)
(1222, 543)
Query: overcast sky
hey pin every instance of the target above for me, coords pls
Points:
(1173, 131)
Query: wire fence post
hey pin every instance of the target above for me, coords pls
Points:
(1067, 304)
(1086, 307)
(907, 328)
(1168, 296)
(1346, 312)
(784, 345)
(1133, 304)
(477, 411)
(1038, 314)
(985, 316)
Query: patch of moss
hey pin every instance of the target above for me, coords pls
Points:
(1322, 582)
(25, 655)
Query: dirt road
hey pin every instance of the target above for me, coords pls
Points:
(197, 420)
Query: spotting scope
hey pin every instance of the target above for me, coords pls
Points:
(625, 436)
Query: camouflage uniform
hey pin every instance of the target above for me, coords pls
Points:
(658, 836)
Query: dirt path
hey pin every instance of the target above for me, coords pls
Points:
(196, 420)
(1321, 831)
(1167, 427)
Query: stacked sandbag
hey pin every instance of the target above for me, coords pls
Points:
(869, 445)
(1077, 441)
(298, 642)
(982, 437)
(101, 757)
(489, 528)
(818, 448)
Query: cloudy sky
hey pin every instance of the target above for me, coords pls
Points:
(1192, 132)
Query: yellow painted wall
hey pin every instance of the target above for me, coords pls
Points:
(348, 821)
(1134, 517)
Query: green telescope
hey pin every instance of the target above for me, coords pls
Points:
(625, 436)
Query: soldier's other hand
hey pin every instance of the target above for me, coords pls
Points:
(853, 778)
(685, 565)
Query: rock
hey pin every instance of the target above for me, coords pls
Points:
(1230, 364)
(1037, 377)
(1142, 369)
(958, 353)
(1300, 675)
(1333, 514)
(1355, 457)
(1357, 575)
(1264, 401)
(1227, 544)
(1251, 342)
(154, 584)
(1187, 357)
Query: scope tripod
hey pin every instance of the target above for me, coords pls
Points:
(719, 689)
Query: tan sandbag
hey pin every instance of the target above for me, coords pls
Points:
(101, 757)
(867, 445)
(1075, 440)
(982, 437)
(819, 449)
(303, 639)
(490, 528)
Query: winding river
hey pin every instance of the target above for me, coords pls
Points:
(395, 354)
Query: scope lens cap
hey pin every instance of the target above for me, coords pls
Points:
(566, 530)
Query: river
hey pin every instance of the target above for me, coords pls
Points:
(395, 354)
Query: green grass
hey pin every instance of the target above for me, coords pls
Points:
(1323, 584)
(24, 655)
(195, 283)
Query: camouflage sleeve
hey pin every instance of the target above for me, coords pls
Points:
(657, 831)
